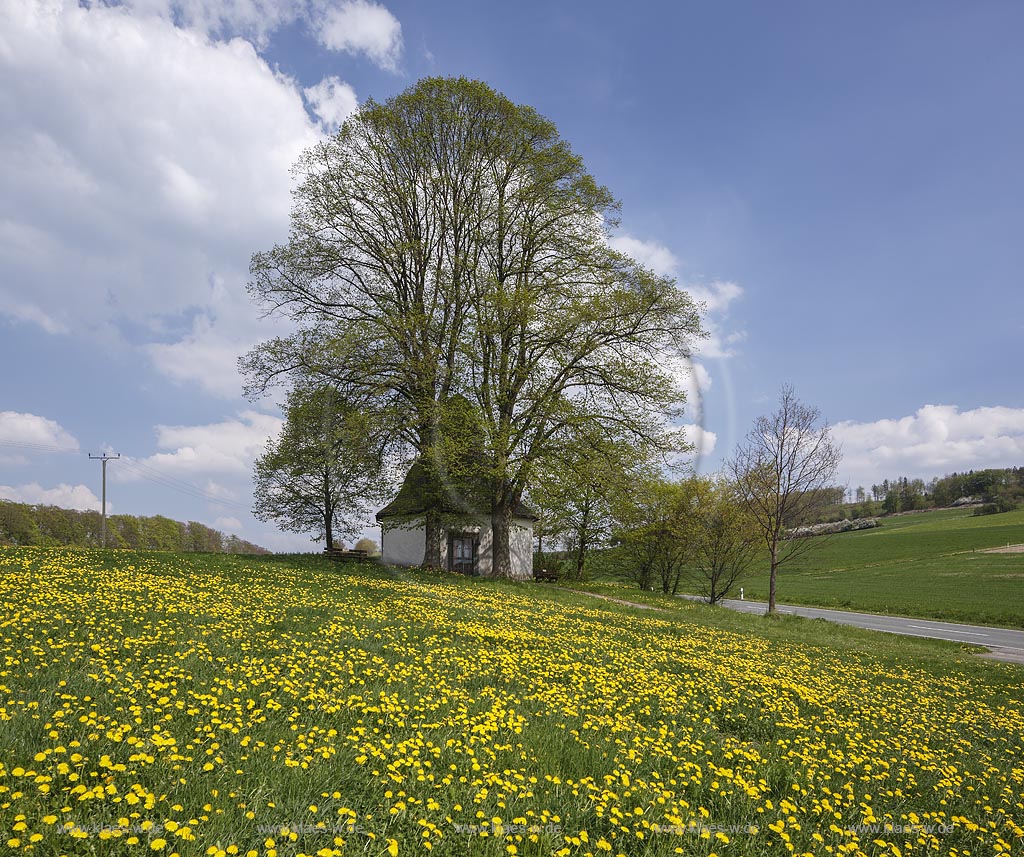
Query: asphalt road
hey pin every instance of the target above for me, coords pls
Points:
(1005, 644)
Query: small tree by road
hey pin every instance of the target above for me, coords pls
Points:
(779, 472)
(652, 523)
(725, 540)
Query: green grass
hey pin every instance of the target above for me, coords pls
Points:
(369, 710)
(926, 564)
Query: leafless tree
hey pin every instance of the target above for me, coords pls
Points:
(779, 471)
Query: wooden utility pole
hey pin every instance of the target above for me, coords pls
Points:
(104, 458)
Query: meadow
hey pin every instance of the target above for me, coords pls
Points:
(215, 705)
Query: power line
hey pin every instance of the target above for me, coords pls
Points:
(143, 471)
(179, 485)
(40, 447)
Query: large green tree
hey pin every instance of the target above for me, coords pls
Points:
(568, 337)
(385, 234)
(321, 475)
(450, 242)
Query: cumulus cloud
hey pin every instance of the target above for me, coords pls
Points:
(936, 440)
(227, 448)
(254, 19)
(650, 254)
(65, 496)
(717, 295)
(332, 100)
(361, 27)
(34, 430)
(702, 439)
(228, 525)
(353, 26)
(207, 355)
(141, 160)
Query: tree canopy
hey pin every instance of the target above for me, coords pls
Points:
(321, 475)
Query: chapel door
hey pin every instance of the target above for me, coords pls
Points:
(461, 554)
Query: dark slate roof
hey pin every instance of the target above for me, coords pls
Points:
(460, 497)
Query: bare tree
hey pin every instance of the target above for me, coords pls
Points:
(779, 472)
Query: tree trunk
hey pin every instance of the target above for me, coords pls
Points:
(432, 538)
(581, 558)
(328, 514)
(501, 543)
(433, 491)
(581, 548)
(771, 577)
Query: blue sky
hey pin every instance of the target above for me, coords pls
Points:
(841, 184)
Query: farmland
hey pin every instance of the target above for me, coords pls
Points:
(926, 564)
(160, 703)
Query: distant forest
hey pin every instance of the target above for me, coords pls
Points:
(51, 526)
(989, 491)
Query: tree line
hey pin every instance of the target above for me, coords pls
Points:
(992, 490)
(51, 526)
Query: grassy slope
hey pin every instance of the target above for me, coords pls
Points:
(145, 694)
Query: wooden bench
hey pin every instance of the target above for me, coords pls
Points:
(548, 574)
(340, 555)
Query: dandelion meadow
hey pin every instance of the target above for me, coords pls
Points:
(209, 705)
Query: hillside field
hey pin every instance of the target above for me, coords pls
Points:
(215, 705)
(925, 564)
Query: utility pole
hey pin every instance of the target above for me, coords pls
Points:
(104, 458)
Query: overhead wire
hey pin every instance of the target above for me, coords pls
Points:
(143, 471)
(153, 475)
(41, 447)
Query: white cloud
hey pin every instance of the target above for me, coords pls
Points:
(19, 428)
(361, 27)
(254, 19)
(139, 162)
(716, 296)
(215, 489)
(227, 448)
(65, 496)
(702, 439)
(229, 525)
(936, 440)
(207, 355)
(332, 100)
(650, 254)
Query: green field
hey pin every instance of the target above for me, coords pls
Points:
(278, 707)
(924, 564)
